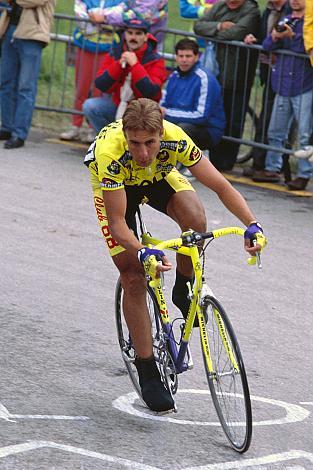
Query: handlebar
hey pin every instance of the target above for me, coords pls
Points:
(191, 238)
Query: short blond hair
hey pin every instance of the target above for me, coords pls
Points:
(143, 114)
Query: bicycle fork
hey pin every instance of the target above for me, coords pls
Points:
(206, 346)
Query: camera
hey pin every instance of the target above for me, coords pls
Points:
(281, 25)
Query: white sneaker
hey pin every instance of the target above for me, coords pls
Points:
(89, 136)
(306, 152)
(72, 133)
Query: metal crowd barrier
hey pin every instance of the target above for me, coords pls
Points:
(57, 84)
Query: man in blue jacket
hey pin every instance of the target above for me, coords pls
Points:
(292, 81)
(192, 98)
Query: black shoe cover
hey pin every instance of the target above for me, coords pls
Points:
(156, 396)
(154, 393)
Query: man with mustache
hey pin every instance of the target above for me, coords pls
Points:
(133, 69)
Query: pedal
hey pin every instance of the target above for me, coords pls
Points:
(127, 357)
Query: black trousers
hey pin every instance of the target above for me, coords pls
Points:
(258, 154)
(225, 153)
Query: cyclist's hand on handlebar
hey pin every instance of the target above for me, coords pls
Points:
(154, 261)
(255, 241)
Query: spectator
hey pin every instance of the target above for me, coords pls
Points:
(24, 32)
(232, 20)
(274, 12)
(133, 68)
(292, 81)
(93, 40)
(154, 12)
(307, 151)
(195, 9)
(193, 99)
(3, 6)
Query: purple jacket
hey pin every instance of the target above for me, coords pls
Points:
(291, 76)
(152, 11)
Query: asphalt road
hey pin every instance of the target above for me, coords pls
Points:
(65, 400)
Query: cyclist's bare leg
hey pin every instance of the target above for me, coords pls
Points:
(134, 303)
(187, 210)
(154, 392)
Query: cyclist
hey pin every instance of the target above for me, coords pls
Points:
(134, 159)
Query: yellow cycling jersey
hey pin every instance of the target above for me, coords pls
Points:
(109, 158)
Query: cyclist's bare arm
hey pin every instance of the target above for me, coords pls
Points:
(207, 174)
(115, 204)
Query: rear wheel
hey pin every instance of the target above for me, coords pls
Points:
(228, 381)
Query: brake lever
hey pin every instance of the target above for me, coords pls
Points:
(258, 256)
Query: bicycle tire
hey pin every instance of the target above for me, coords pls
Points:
(245, 152)
(229, 388)
(124, 339)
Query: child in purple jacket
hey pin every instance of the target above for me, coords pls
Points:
(153, 12)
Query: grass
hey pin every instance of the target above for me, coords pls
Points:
(56, 83)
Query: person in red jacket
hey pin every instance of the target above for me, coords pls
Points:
(133, 69)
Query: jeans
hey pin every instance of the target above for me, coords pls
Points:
(19, 76)
(285, 110)
(100, 111)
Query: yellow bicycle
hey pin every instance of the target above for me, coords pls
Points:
(222, 358)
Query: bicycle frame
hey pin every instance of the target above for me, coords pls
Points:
(178, 354)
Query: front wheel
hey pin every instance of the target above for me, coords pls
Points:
(227, 380)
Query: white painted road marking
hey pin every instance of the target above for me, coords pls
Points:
(259, 461)
(295, 467)
(33, 445)
(294, 413)
(236, 464)
(7, 416)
